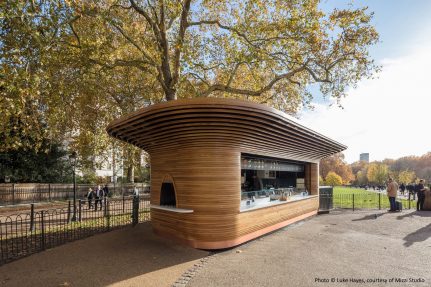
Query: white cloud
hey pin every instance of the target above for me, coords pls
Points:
(388, 117)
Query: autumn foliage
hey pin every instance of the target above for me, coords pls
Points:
(404, 170)
(80, 64)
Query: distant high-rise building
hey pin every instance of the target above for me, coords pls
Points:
(364, 157)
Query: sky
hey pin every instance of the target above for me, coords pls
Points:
(390, 116)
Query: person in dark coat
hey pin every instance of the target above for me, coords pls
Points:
(411, 190)
(420, 189)
(90, 196)
(99, 197)
(105, 190)
(402, 188)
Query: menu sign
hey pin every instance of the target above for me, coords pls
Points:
(263, 164)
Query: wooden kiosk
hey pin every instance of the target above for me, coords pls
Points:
(225, 171)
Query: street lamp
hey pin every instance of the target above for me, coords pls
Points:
(72, 158)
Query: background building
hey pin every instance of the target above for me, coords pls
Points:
(364, 157)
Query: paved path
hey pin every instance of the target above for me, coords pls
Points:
(359, 245)
(347, 246)
(125, 257)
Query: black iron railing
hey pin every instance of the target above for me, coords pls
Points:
(16, 193)
(26, 233)
(372, 200)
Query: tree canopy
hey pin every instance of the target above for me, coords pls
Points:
(377, 173)
(333, 179)
(269, 51)
(79, 64)
(408, 169)
(337, 164)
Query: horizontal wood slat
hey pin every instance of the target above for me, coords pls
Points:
(165, 124)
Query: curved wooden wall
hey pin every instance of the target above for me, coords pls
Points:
(207, 181)
(198, 143)
(225, 123)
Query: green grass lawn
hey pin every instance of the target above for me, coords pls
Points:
(346, 197)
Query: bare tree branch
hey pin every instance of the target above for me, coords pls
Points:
(225, 88)
(203, 68)
(171, 22)
(75, 34)
(216, 22)
(123, 63)
(146, 55)
(164, 49)
(232, 75)
(180, 40)
(316, 78)
(196, 76)
(147, 17)
(120, 6)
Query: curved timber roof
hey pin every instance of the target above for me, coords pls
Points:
(202, 122)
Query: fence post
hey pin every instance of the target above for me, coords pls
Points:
(409, 200)
(123, 203)
(69, 218)
(380, 201)
(135, 211)
(42, 227)
(105, 209)
(353, 202)
(32, 217)
(108, 217)
(49, 191)
(13, 193)
(79, 210)
(40, 192)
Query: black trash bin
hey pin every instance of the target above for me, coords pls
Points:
(325, 199)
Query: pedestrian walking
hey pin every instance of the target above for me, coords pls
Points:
(135, 191)
(106, 190)
(99, 197)
(90, 196)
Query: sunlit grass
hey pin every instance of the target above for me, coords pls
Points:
(346, 197)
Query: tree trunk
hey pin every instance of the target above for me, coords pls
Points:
(171, 95)
(131, 173)
(114, 165)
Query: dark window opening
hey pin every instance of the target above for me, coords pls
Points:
(167, 195)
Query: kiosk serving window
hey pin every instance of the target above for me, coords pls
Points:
(269, 181)
(167, 195)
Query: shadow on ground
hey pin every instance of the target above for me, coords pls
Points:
(132, 256)
(369, 217)
(419, 235)
(415, 213)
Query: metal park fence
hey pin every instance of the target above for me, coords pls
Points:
(377, 201)
(16, 193)
(27, 233)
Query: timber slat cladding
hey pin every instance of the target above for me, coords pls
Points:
(197, 144)
(223, 227)
(204, 178)
(161, 125)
